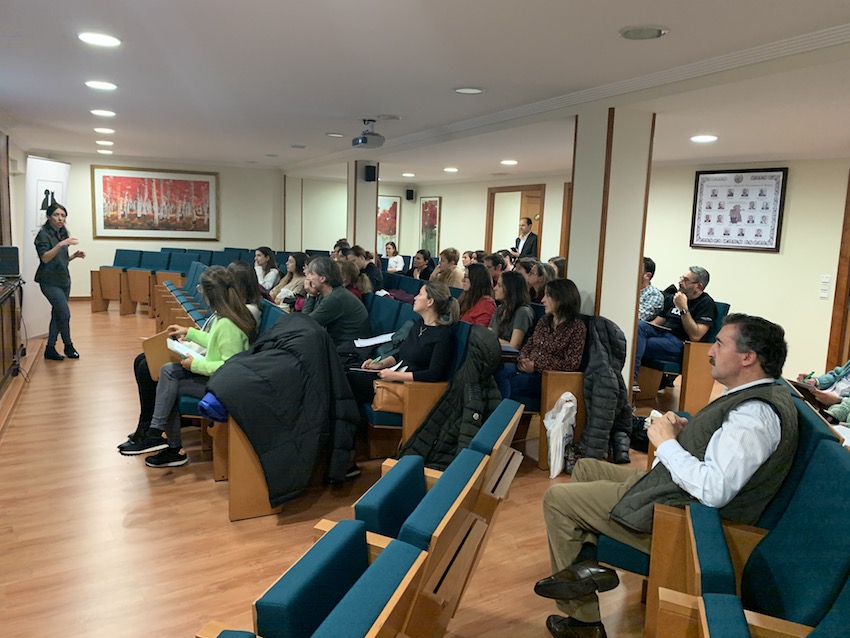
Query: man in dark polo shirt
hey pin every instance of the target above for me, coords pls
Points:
(686, 316)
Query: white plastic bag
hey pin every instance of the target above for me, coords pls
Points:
(560, 424)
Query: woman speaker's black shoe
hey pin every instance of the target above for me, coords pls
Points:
(71, 353)
(51, 354)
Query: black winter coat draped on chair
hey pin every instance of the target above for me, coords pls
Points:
(289, 394)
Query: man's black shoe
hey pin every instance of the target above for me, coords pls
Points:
(71, 352)
(560, 627)
(576, 581)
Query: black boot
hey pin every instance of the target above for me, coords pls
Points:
(51, 355)
(70, 352)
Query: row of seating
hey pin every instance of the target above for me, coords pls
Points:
(400, 564)
(804, 521)
(181, 305)
(133, 274)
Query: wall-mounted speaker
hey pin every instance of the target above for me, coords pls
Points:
(409, 195)
(371, 173)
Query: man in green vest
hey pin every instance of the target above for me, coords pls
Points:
(733, 455)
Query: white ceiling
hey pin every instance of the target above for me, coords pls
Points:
(219, 82)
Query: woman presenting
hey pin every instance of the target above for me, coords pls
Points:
(53, 278)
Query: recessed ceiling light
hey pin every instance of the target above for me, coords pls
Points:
(298, 146)
(468, 90)
(101, 86)
(99, 39)
(508, 162)
(704, 139)
(644, 32)
(450, 169)
(103, 151)
(104, 143)
(334, 134)
(104, 131)
(103, 113)
(408, 175)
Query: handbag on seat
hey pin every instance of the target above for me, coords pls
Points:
(390, 396)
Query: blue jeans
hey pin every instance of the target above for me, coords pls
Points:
(656, 343)
(60, 315)
(513, 383)
(174, 381)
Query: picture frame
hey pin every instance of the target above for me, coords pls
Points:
(387, 222)
(739, 209)
(150, 203)
(429, 223)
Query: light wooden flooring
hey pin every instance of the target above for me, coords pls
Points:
(93, 543)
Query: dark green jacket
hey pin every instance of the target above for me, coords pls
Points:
(635, 509)
(55, 272)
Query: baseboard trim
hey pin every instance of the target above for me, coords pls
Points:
(12, 392)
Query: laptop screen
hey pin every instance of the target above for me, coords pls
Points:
(10, 265)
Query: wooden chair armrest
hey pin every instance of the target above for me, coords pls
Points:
(677, 615)
(157, 353)
(211, 630)
(762, 626)
(741, 540)
(667, 559)
(420, 398)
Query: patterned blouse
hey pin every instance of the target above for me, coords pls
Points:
(556, 348)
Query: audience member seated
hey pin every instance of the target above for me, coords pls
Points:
(495, 265)
(355, 282)
(447, 271)
(395, 262)
(422, 266)
(557, 342)
(292, 283)
(560, 265)
(365, 262)
(831, 387)
(331, 305)
(427, 351)
(509, 258)
(536, 275)
(514, 318)
(248, 286)
(340, 250)
(467, 258)
(686, 316)
(651, 300)
(264, 263)
(476, 301)
(733, 455)
(231, 333)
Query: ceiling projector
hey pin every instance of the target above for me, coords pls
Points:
(368, 138)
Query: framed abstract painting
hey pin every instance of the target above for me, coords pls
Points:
(147, 203)
(429, 223)
(387, 222)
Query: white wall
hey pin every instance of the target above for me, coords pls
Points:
(324, 216)
(783, 286)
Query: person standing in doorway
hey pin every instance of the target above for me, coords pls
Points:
(526, 243)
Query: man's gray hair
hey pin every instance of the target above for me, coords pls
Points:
(701, 275)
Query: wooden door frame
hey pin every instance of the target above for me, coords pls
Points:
(839, 339)
(491, 205)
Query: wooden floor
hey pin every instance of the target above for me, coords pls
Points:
(93, 543)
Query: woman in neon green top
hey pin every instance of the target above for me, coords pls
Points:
(231, 333)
